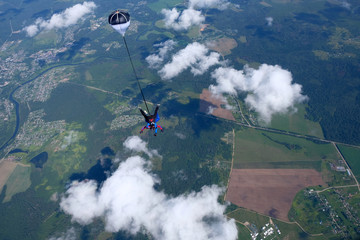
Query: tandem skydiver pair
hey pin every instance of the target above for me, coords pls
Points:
(120, 21)
(151, 120)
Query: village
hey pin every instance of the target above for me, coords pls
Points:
(333, 208)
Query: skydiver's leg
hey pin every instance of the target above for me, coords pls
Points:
(144, 114)
(155, 130)
(147, 126)
(156, 109)
(156, 115)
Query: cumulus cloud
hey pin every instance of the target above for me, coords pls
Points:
(32, 30)
(128, 201)
(136, 144)
(270, 88)
(190, 16)
(68, 17)
(269, 21)
(155, 60)
(195, 56)
(220, 4)
(182, 20)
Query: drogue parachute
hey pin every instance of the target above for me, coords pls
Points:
(120, 21)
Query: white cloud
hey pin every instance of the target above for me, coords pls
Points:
(136, 144)
(194, 56)
(269, 21)
(220, 4)
(54, 197)
(345, 4)
(68, 17)
(128, 201)
(182, 20)
(82, 202)
(180, 135)
(70, 234)
(32, 30)
(210, 110)
(270, 88)
(155, 60)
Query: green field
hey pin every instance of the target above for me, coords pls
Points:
(145, 36)
(160, 4)
(352, 157)
(293, 231)
(297, 122)
(255, 222)
(243, 215)
(18, 181)
(260, 149)
(243, 232)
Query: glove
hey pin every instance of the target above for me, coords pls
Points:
(141, 132)
(155, 134)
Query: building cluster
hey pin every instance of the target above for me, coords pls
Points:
(40, 89)
(339, 167)
(47, 56)
(7, 44)
(125, 121)
(35, 131)
(6, 108)
(95, 24)
(14, 66)
(336, 222)
(269, 231)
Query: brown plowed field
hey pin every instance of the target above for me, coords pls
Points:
(269, 191)
(223, 45)
(208, 100)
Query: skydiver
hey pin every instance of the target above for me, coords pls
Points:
(151, 120)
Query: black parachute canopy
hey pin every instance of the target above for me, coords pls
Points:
(119, 17)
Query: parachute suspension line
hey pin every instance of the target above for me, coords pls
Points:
(137, 79)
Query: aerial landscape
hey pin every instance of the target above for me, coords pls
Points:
(259, 101)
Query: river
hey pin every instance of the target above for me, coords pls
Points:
(17, 105)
